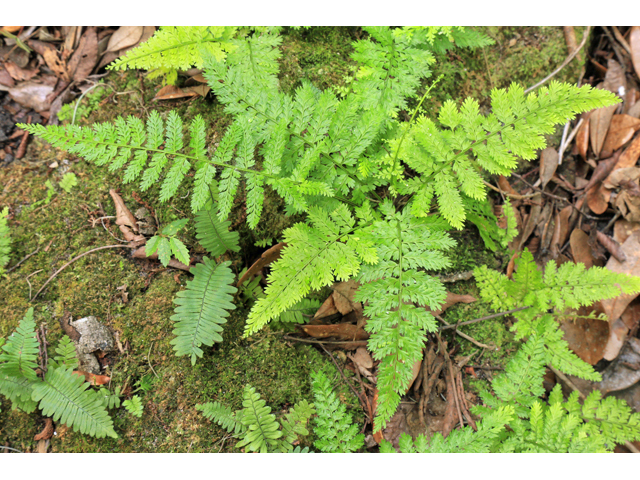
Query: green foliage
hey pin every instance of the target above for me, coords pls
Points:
(213, 234)
(66, 354)
(134, 406)
(166, 244)
(68, 182)
(20, 352)
(334, 427)
(202, 308)
(257, 427)
(5, 239)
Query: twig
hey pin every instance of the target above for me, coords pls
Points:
(109, 232)
(325, 342)
(149, 361)
(564, 64)
(488, 317)
(616, 50)
(463, 402)
(366, 397)
(12, 449)
(70, 262)
(564, 144)
(27, 279)
(23, 260)
(571, 385)
(342, 373)
(465, 336)
(621, 39)
(486, 368)
(22, 149)
(516, 196)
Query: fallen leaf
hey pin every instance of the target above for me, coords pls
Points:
(92, 378)
(548, 165)
(32, 95)
(452, 299)
(611, 245)
(269, 256)
(617, 334)
(587, 337)
(615, 79)
(582, 139)
(624, 371)
(6, 79)
(51, 58)
(563, 220)
(620, 132)
(123, 214)
(19, 74)
(629, 157)
(47, 431)
(532, 221)
(343, 293)
(631, 315)
(11, 29)
(634, 110)
(631, 247)
(124, 37)
(171, 92)
(580, 248)
(634, 43)
(327, 308)
(415, 371)
(599, 126)
(622, 229)
(85, 57)
(628, 198)
(342, 331)
(362, 357)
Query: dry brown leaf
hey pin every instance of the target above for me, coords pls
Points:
(587, 337)
(124, 37)
(11, 29)
(171, 92)
(628, 198)
(123, 214)
(32, 95)
(611, 245)
(625, 371)
(563, 220)
(269, 256)
(615, 79)
(327, 309)
(173, 263)
(622, 229)
(201, 90)
(452, 299)
(580, 248)
(617, 334)
(342, 331)
(142, 254)
(582, 139)
(620, 132)
(532, 221)
(362, 357)
(85, 57)
(634, 110)
(634, 43)
(51, 58)
(629, 157)
(631, 247)
(92, 378)
(19, 74)
(599, 126)
(6, 79)
(47, 431)
(343, 293)
(415, 371)
(548, 165)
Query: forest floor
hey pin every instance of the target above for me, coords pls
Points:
(51, 225)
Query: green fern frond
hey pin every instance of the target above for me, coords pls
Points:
(178, 48)
(64, 396)
(18, 391)
(334, 428)
(316, 255)
(294, 424)
(223, 416)
(202, 308)
(134, 406)
(295, 314)
(66, 354)
(20, 353)
(262, 430)
(109, 399)
(5, 239)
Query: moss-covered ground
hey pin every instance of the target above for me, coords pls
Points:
(278, 369)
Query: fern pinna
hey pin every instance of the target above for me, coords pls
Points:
(368, 183)
(60, 393)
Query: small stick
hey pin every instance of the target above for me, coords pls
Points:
(620, 38)
(69, 263)
(571, 385)
(465, 336)
(453, 384)
(27, 279)
(22, 149)
(12, 449)
(563, 145)
(563, 140)
(366, 397)
(564, 64)
(360, 343)
(23, 260)
(488, 317)
(511, 195)
(463, 401)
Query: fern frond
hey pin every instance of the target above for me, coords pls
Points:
(66, 354)
(177, 48)
(295, 314)
(18, 391)
(109, 399)
(64, 396)
(5, 239)
(334, 427)
(223, 416)
(202, 308)
(20, 352)
(316, 255)
(294, 424)
(134, 406)
(262, 429)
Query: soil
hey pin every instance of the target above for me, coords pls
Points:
(67, 225)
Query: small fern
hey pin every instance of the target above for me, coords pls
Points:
(213, 234)
(335, 429)
(134, 406)
(66, 354)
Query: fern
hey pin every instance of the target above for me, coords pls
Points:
(213, 234)
(134, 406)
(21, 351)
(66, 354)
(223, 416)
(5, 240)
(202, 308)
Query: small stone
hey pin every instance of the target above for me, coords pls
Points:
(53, 165)
(94, 337)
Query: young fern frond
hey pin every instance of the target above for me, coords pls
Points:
(5, 240)
(20, 353)
(449, 159)
(395, 292)
(202, 308)
(335, 429)
(178, 48)
(262, 429)
(64, 396)
(66, 354)
(213, 234)
(316, 255)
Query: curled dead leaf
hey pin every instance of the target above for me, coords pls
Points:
(123, 214)
(548, 165)
(614, 307)
(85, 57)
(599, 126)
(622, 229)
(47, 431)
(267, 257)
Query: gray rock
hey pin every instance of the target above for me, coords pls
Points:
(94, 337)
